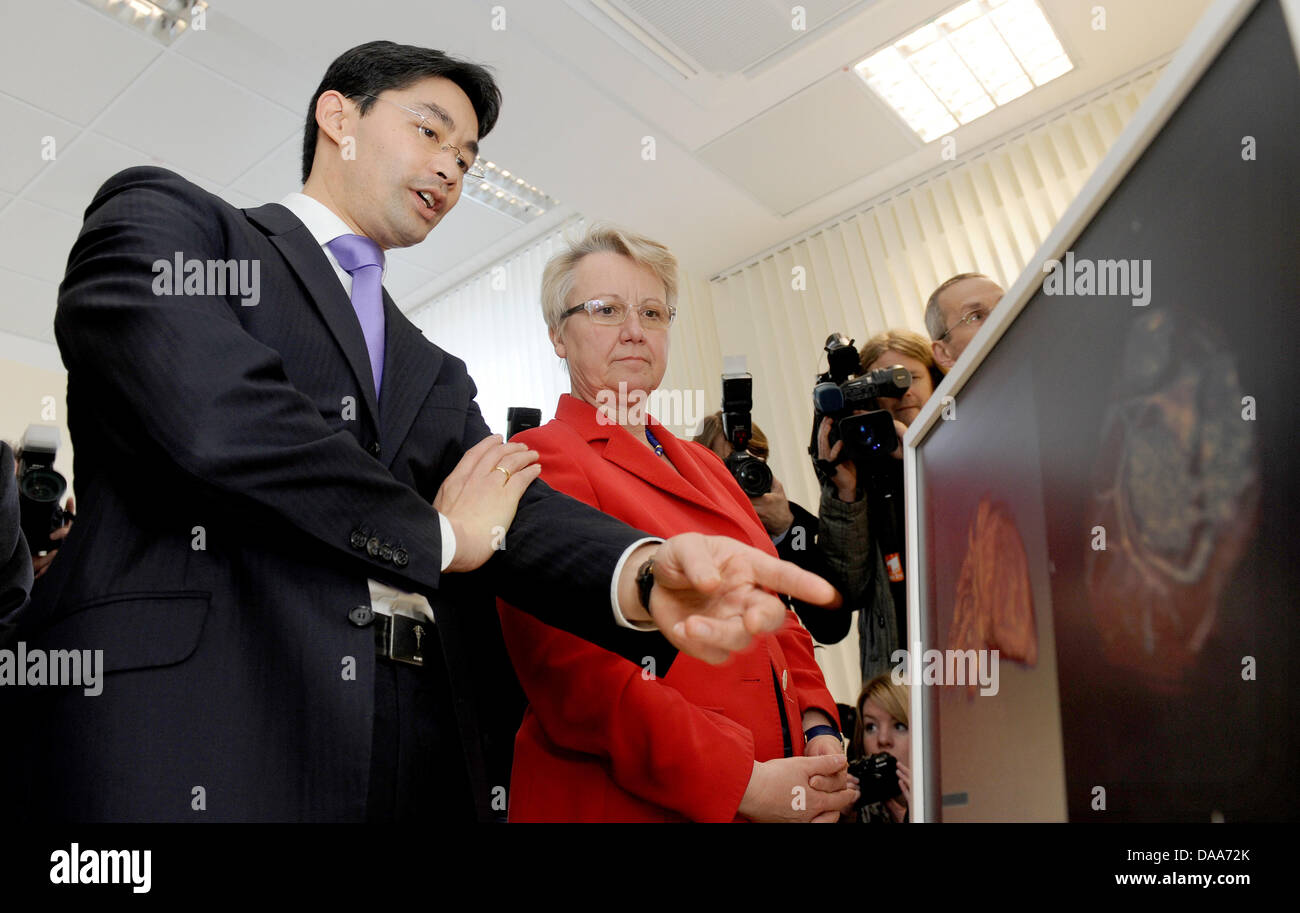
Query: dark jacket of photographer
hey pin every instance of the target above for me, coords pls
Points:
(855, 557)
(801, 545)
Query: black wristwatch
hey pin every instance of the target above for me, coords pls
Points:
(813, 732)
(645, 580)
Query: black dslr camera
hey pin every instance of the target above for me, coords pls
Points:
(751, 473)
(839, 393)
(877, 777)
(40, 488)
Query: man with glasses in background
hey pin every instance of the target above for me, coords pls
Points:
(955, 312)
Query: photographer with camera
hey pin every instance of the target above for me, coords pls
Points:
(40, 489)
(793, 528)
(880, 754)
(15, 560)
(864, 404)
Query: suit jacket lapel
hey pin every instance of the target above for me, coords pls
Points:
(689, 462)
(626, 452)
(411, 367)
(313, 268)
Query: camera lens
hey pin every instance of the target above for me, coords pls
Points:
(42, 485)
(861, 434)
(750, 473)
(756, 479)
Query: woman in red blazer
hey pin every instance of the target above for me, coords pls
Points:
(605, 739)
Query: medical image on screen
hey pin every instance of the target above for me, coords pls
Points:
(1176, 500)
(1137, 441)
(994, 605)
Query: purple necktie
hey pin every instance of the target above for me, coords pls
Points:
(364, 262)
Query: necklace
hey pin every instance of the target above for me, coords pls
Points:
(654, 442)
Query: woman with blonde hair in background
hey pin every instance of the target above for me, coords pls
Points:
(862, 518)
(882, 728)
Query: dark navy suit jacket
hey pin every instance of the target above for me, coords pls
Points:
(230, 510)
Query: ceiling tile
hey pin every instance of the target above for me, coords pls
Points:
(276, 175)
(465, 231)
(27, 306)
(821, 139)
(67, 58)
(25, 131)
(69, 184)
(250, 59)
(727, 36)
(35, 241)
(202, 123)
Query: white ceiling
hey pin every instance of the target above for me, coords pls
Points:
(223, 107)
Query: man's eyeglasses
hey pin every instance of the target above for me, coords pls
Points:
(974, 318)
(613, 313)
(470, 169)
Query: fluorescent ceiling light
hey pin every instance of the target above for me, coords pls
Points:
(507, 192)
(163, 20)
(972, 59)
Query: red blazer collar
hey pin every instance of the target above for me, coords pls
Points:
(625, 451)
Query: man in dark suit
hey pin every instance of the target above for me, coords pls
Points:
(290, 632)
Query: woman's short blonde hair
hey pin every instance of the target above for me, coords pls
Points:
(557, 278)
(893, 698)
(905, 342)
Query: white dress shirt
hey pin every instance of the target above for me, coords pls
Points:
(325, 226)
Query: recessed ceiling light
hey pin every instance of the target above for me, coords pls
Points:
(972, 59)
(164, 20)
(509, 194)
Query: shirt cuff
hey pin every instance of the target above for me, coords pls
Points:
(448, 541)
(619, 618)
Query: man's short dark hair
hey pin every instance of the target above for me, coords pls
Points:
(377, 66)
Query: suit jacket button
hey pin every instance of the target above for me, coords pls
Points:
(358, 540)
(372, 547)
(375, 449)
(361, 616)
(386, 552)
(401, 558)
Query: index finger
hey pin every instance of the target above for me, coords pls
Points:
(784, 577)
(831, 783)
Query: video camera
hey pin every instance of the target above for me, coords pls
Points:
(751, 473)
(40, 488)
(839, 394)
